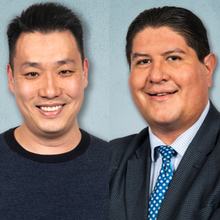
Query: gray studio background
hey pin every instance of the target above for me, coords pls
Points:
(108, 110)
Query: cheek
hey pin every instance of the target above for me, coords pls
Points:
(136, 81)
(192, 82)
(25, 91)
(187, 77)
(133, 86)
(74, 88)
(136, 85)
(130, 81)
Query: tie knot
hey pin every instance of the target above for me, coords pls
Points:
(166, 152)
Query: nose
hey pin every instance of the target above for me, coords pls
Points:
(50, 86)
(158, 73)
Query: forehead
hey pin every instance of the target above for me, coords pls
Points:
(41, 47)
(53, 39)
(158, 38)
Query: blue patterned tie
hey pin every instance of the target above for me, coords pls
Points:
(163, 180)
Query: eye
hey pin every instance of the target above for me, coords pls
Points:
(65, 71)
(32, 74)
(145, 61)
(174, 58)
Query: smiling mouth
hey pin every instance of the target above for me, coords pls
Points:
(50, 109)
(162, 94)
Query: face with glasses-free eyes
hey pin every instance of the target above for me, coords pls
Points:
(48, 81)
(168, 83)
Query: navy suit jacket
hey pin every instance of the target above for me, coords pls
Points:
(194, 191)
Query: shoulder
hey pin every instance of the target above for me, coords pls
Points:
(2, 139)
(97, 141)
(2, 135)
(97, 146)
(213, 112)
(7, 135)
(211, 124)
(117, 147)
(123, 148)
(93, 139)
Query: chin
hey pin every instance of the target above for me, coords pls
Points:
(163, 121)
(51, 129)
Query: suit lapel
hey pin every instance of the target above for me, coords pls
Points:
(137, 179)
(179, 185)
(190, 165)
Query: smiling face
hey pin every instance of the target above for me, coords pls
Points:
(168, 83)
(48, 81)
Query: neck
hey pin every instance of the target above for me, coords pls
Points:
(170, 132)
(167, 137)
(48, 144)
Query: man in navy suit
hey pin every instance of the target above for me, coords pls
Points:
(171, 71)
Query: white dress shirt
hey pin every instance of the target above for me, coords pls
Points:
(180, 145)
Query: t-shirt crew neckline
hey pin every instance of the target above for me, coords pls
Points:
(58, 158)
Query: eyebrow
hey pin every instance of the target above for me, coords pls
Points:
(63, 62)
(176, 50)
(135, 55)
(27, 64)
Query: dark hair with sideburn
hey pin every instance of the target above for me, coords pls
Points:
(180, 20)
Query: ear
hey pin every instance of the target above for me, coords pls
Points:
(85, 71)
(10, 78)
(209, 62)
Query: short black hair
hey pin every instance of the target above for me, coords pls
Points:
(45, 18)
(180, 20)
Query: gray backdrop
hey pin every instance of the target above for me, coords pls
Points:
(108, 110)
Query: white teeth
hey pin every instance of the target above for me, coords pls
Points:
(161, 94)
(50, 109)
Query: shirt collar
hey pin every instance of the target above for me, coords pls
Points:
(182, 142)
